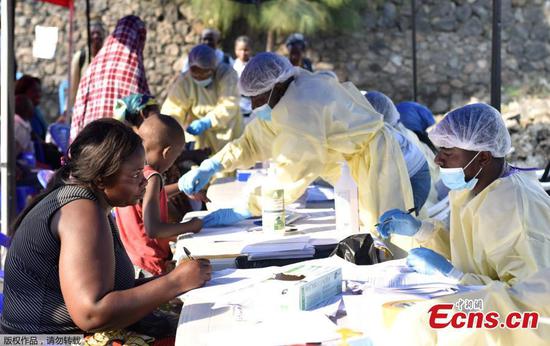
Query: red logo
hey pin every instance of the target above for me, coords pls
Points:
(443, 316)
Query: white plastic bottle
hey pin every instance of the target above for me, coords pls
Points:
(346, 203)
(273, 204)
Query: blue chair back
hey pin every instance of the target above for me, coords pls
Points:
(44, 176)
(60, 134)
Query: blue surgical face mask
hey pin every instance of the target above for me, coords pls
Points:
(264, 111)
(455, 179)
(203, 83)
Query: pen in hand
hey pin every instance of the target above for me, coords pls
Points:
(408, 212)
(188, 253)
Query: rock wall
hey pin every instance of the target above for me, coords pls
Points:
(453, 50)
(453, 42)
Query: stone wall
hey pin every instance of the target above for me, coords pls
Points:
(453, 42)
(453, 50)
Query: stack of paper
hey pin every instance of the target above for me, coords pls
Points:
(280, 249)
(234, 241)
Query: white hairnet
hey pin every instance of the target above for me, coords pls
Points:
(383, 105)
(264, 71)
(475, 127)
(203, 56)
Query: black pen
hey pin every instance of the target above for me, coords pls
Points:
(188, 253)
(408, 212)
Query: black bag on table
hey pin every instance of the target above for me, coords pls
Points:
(362, 249)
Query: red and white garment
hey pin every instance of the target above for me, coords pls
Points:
(116, 71)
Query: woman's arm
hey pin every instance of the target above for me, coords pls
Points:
(87, 273)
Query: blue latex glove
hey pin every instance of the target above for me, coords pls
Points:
(199, 126)
(427, 261)
(194, 180)
(398, 222)
(225, 217)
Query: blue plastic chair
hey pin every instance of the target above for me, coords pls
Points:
(5, 241)
(60, 134)
(22, 193)
(39, 152)
(44, 176)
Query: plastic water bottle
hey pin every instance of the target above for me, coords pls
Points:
(346, 202)
(273, 203)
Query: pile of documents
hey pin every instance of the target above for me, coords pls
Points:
(397, 278)
(279, 248)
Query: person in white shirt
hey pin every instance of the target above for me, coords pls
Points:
(243, 52)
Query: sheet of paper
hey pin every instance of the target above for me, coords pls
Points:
(45, 42)
(288, 329)
(228, 281)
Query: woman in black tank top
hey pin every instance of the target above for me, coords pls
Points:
(66, 270)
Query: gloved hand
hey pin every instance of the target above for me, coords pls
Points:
(426, 261)
(199, 126)
(194, 180)
(398, 222)
(225, 217)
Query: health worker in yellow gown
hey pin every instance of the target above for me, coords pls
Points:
(498, 228)
(205, 101)
(307, 124)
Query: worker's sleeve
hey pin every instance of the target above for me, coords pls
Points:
(254, 145)
(227, 106)
(178, 101)
(299, 160)
(434, 234)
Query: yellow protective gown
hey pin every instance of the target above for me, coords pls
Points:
(219, 101)
(430, 157)
(502, 234)
(531, 294)
(316, 124)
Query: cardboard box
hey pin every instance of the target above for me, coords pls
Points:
(319, 283)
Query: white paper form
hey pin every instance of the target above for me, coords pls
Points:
(45, 42)
(211, 317)
(228, 281)
(288, 329)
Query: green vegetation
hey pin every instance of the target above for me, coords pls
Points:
(281, 16)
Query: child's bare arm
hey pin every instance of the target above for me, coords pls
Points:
(151, 215)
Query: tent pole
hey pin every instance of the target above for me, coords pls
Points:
(495, 56)
(68, 112)
(413, 11)
(7, 159)
(89, 55)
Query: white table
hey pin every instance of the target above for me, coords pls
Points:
(226, 243)
(202, 323)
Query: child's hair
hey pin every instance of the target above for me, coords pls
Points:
(162, 130)
(98, 152)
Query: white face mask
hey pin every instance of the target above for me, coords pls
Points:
(264, 111)
(203, 83)
(455, 179)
